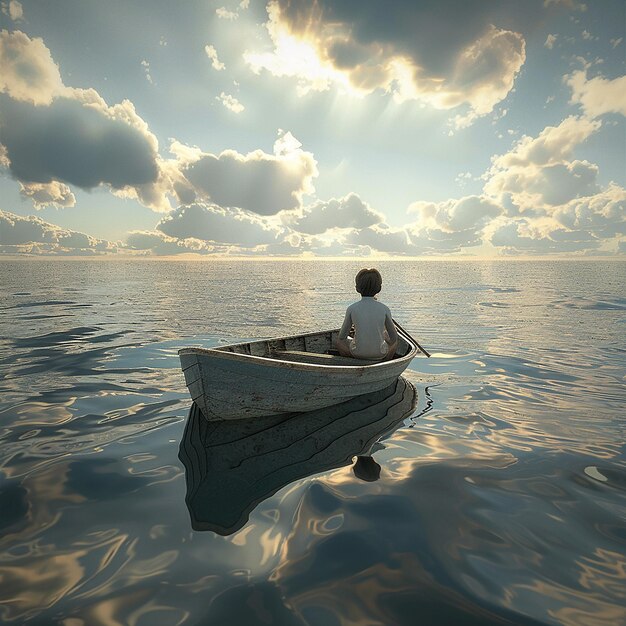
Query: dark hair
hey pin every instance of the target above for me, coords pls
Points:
(368, 282)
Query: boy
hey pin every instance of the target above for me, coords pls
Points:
(370, 319)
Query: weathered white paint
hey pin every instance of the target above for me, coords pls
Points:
(253, 379)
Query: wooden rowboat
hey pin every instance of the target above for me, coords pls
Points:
(231, 466)
(284, 375)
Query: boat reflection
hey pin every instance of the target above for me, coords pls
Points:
(231, 466)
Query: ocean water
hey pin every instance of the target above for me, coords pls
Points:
(500, 495)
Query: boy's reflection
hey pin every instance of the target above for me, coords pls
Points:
(366, 469)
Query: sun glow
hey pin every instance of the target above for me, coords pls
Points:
(294, 56)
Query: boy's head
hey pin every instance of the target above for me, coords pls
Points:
(368, 282)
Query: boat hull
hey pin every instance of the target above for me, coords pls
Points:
(230, 385)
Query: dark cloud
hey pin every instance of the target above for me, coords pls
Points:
(431, 32)
(259, 182)
(51, 134)
(458, 52)
(69, 142)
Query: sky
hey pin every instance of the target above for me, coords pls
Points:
(327, 128)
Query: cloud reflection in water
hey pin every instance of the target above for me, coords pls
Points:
(503, 504)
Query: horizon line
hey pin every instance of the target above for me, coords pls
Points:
(266, 258)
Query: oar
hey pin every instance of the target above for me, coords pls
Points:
(411, 338)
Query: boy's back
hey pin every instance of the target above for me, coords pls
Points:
(370, 319)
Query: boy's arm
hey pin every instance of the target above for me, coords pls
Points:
(347, 325)
(391, 327)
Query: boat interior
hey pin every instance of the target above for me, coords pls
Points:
(315, 348)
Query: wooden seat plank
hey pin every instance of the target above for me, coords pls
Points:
(319, 358)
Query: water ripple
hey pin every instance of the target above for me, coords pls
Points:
(500, 500)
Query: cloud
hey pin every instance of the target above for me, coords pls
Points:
(13, 9)
(32, 235)
(230, 102)
(53, 193)
(161, 245)
(451, 225)
(146, 66)
(540, 196)
(410, 240)
(209, 222)
(383, 239)
(455, 214)
(592, 223)
(597, 95)
(209, 228)
(554, 144)
(347, 212)
(413, 54)
(539, 237)
(603, 214)
(80, 143)
(538, 174)
(564, 209)
(338, 227)
(437, 240)
(157, 243)
(28, 72)
(258, 182)
(211, 52)
(283, 248)
(537, 188)
(52, 136)
(587, 224)
(224, 14)
(550, 41)
(537, 199)
(573, 5)
(156, 194)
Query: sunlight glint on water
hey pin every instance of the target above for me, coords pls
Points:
(503, 503)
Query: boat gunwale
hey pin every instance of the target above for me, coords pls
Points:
(265, 361)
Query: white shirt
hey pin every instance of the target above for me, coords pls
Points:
(370, 319)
